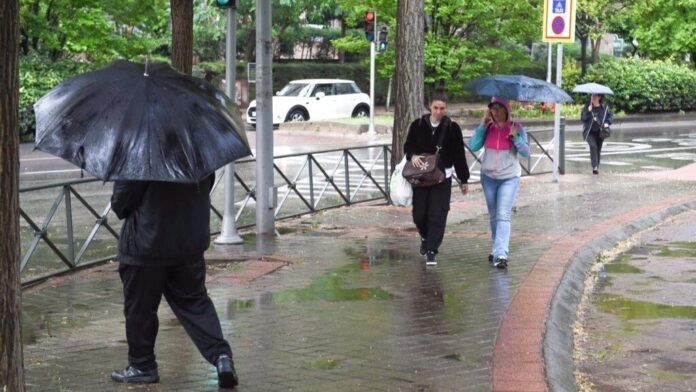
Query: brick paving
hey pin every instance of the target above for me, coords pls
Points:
(354, 308)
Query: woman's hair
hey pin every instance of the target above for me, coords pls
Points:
(601, 97)
(439, 95)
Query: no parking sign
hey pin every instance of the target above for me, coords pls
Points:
(559, 21)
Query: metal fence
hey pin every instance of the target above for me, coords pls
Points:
(87, 233)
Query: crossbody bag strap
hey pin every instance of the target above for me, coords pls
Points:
(438, 146)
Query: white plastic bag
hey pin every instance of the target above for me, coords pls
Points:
(400, 190)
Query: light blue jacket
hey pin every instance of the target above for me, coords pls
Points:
(501, 164)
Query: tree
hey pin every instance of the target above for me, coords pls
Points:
(408, 78)
(101, 30)
(11, 362)
(591, 21)
(665, 28)
(182, 35)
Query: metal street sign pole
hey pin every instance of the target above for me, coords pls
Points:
(549, 62)
(265, 192)
(371, 129)
(228, 234)
(557, 117)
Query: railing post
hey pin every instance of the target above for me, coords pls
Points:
(561, 147)
(311, 182)
(346, 168)
(386, 169)
(69, 224)
(529, 156)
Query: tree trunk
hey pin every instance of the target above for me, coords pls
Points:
(583, 55)
(595, 50)
(11, 366)
(342, 53)
(182, 35)
(408, 77)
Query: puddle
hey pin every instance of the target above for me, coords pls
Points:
(628, 309)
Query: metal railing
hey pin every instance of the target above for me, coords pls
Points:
(305, 183)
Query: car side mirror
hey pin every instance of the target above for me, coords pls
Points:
(320, 94)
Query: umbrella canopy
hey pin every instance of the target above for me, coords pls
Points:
(518, 88)
(126, 122)
(593, 88)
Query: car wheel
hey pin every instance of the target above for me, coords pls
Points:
(361, 111)
(297, 115)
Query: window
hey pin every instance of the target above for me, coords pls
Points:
(326, 88)
(344, 88)
(292, 90)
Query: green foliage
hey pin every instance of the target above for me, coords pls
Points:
(665, 28)
(644, 85)
(38, 75)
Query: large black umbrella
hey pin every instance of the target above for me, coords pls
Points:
(518, 88)
(130, 121)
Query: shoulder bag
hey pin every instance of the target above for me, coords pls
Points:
(429, 174)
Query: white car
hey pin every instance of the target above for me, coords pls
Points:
(316, 99)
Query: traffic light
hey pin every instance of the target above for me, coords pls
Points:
(226, 3)
(382, 40)
(370, 25)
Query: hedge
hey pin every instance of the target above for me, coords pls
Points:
(643, 85)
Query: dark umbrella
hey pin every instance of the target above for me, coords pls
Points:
(593, 88)
(518, 88)
(132, 122)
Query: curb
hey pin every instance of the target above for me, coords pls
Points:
(533, 348)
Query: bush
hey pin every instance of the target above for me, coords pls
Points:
(38, 75)
(645, 85)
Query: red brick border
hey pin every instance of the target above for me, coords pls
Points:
(518, 365)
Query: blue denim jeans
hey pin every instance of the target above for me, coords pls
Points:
(500, 196)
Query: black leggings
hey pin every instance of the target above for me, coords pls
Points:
(431, 205)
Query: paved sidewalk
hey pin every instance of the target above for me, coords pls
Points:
(351, 306)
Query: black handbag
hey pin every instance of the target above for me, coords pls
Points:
(604, 132)
(429, 174)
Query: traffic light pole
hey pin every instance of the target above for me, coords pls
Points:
(265, 191)
(228, 234)
(371, 129)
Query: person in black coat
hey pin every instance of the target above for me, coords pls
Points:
(160, 252)
(596, 119)
(431, 203)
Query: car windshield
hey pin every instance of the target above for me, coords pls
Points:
(292, 90)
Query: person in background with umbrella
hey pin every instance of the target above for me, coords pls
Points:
(431, 203)
(596, 119)
(503, 140)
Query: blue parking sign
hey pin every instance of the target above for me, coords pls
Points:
(559, 6)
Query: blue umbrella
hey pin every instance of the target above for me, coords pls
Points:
(518, 88)
(593, 88)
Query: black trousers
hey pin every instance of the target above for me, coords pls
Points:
(183, 287)
(595, 143)
(431, 205)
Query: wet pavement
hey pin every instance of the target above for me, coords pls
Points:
(638, 318)
(354, 309)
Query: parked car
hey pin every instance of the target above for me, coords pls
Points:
(316, 99)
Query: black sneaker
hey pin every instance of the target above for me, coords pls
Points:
(423, 247)
(501, 262)
(490, 258)
(227, 376)
(430, 258)
(135, 376)
(595, 170)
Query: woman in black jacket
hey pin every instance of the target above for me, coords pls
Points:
(596, 119)
(431, 203)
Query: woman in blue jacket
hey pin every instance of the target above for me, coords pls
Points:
(500, 172)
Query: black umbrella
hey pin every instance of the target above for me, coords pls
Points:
(129, 121)
(518, 88)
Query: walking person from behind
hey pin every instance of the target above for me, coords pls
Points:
(160, 252)
(596, 119)
(431, 204)
(500, 172)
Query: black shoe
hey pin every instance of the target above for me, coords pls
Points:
(501, 262)
(423, 247)
(490, 258)
(227, 376)
(430, 258)
(135, 376)
(595, 170)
